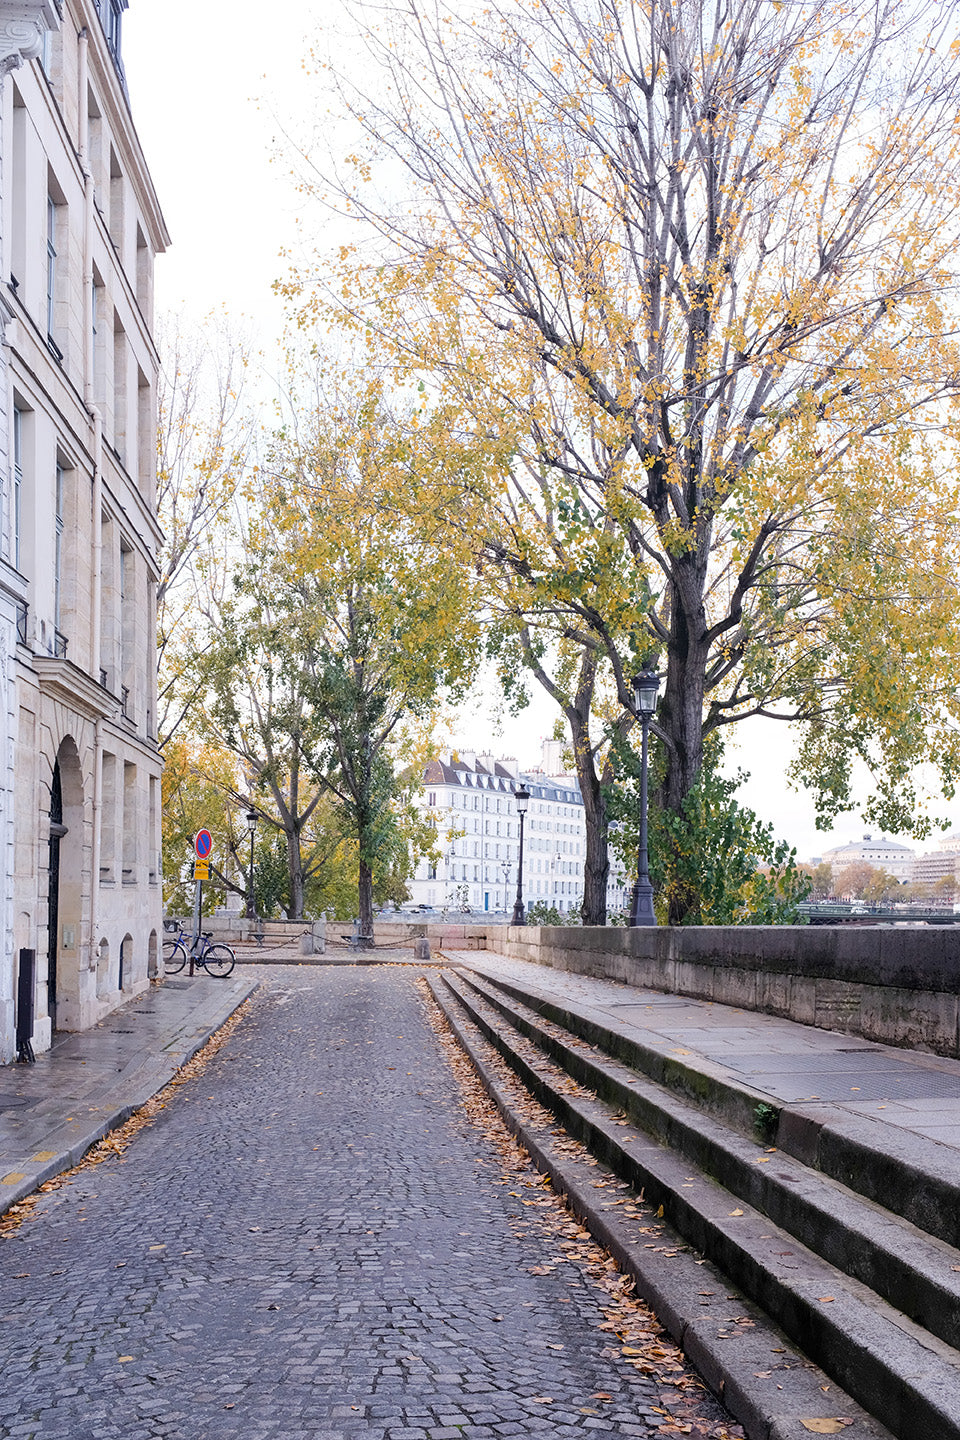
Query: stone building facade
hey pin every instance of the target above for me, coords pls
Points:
(79, 536)
(883, 854)
(470, 797)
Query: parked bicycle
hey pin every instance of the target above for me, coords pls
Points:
(217, 960)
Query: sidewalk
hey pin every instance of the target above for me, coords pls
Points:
(904, 1099)
(52, 1112)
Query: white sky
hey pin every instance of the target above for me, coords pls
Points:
(207, 79)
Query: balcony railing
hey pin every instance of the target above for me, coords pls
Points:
(22, 621)
(59, 644)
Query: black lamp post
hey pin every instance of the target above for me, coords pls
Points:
(251, 818)
(522, 797)
(645, 688)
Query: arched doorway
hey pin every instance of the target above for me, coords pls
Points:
(64, 885)
(57, 833)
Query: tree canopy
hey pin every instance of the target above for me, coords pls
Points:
(687, 273)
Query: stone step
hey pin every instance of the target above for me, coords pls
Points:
(910, 1175)
(900, 1373)
(918, 1274)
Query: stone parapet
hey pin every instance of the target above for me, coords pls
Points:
(897, 986)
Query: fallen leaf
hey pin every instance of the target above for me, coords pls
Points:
(826, 1426)
(122, 1359)
(825, 1299)
(736, 1212)
(541, 1399)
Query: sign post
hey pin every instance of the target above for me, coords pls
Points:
(202, 846)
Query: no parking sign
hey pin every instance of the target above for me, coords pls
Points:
(203, 844)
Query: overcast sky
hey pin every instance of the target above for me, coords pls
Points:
(211, 85)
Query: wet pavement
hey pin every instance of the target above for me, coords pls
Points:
(313, 1239)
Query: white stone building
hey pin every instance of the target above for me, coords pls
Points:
(470, 797)
(939, 864)
(78, 528)
(883, 854)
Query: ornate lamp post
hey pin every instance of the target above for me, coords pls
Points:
(522, 797)
(251, 818)
(645, 688)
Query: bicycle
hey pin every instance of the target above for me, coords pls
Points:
(217, 960)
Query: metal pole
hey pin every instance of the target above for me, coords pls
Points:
(250, 909)
(197, 904)
(642, 911)
(519, 918)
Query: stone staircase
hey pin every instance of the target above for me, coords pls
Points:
(811, 1276)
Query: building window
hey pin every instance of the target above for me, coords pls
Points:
(111, 15)
(51, 263)
(17, 485)
(58, 551)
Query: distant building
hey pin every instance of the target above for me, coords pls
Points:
(79, 535)
(883, 854)
(936, 865)
(471, 798)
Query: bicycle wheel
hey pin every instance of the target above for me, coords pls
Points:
(174, 957)
(219, 960)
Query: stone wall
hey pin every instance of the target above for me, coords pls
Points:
(895, 985)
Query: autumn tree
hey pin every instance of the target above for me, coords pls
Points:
(252, 701)
(204, 439)
(383, 615)
(686, 270)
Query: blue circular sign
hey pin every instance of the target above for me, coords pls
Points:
(203, 844)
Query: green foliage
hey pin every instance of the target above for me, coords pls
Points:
(542, 913)
(270, 877)
(714, 863)
(766, 1118)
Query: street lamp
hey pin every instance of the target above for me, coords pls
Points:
(522, 797)
(645, 688)
(251, 818)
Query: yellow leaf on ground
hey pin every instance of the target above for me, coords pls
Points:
(826, 1426)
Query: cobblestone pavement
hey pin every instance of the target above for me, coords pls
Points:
(311, 1240)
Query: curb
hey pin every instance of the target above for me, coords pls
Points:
(160, 1074)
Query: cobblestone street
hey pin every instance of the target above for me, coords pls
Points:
(312, 1239)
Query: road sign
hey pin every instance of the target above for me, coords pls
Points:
(201, 870)
(203, 844)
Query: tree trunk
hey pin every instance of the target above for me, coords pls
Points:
(365, 911)
(596, 865)
(680, 721)
(295, 876)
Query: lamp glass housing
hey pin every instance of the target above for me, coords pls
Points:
(251, 818)
(522, 797)
(646, 687)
